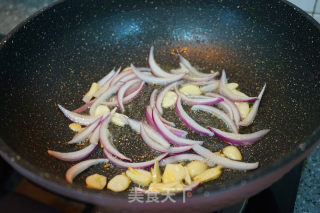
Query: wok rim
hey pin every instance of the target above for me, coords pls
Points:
(277, 168)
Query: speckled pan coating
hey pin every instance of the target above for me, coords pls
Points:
(53, 58)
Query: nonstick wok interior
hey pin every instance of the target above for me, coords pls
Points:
(56, 55)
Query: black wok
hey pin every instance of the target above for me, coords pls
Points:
(54, 56)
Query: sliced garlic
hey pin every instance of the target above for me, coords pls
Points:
(155, 172)
(117, 120)
(119, 183)
(166, 187)
(237, 92)
(173, 173)
(126, 69)
(190, 89)
(209, 174)
(96, 181)
(232, 152)
(139, 176)
(219, 153)
(232, 86)
(187, 178)
(101, 110)
(169, 99)
(93, 89)
(196, 167)
(75, 127)
(243, 109)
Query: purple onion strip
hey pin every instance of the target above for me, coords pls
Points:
(106, 86)
(139, 165)
(227, 93)
(85, 133)
(75, 170)
(73, 156)
(213, 159)
(135, 126)
(230, 104)
(219, 113)
(155, 80)
(252, 114)
(189, 122)
(167, 134)
(155, 68)
(239, 139)
(179, 149)
(122, 91)
(179, 158)
(149, 141)
(77, 118)
(106, 140)
(176, 131)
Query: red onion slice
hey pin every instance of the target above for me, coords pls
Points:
(210, 87)
(122, 91)
(227, 109)
(191, 69)
(252, 114)
(135, 126)
(73, 156)
(106, 86)
(132, 88)
(149, 141)
(125, 79)
(148, 115)
(179, 149)
(94, 138)
(83, 107)
(201, 78)
(77, 118)
(230, 104)
(80, 167)
(106, 78)
(176, 131)
(222, 161)
(130, 97)
(106, 141)
(179, 158)
(153, 98)
(180, 70)
(167, 134)
(205, 83)
(239, 139)
(155, 80)
(155, 68)
(149, 119)
(85, 133)
(227, 93)
(189, 122)
(198, 100)
(166, 122)
(121, 76)
(139, 165)
(220, 114)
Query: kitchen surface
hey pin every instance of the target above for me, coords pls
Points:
(12, 12)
